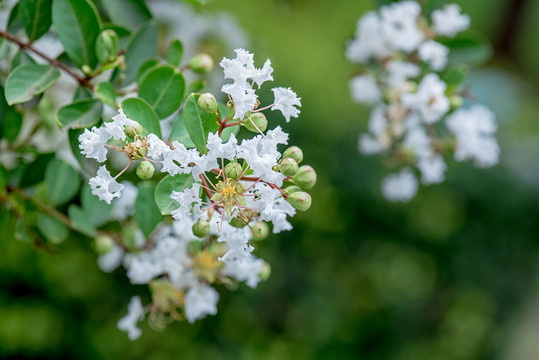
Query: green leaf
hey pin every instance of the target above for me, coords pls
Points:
(141, 46)
(470, 48)
(11, 125)
(80, 114)
(14, 23)
(82, 93)
(163, 190)
(163, 89)
(34, 172)
(229, 130)
(179, 132)
(195, 87)
(28, 80)
(77, 24)
(53, 229)
(175, 53)
(138, 110)
(62, 182)
(5, 49)
(97, 211)
(79, 221)
(145, 69)
(3, 180)
(21, 58)
(35, 15)
(106, 93)
(198, 123)
(147, 213)
(127, 13)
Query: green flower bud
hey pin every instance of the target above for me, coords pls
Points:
(106, 46)
(294, 152)
(145, 170)
(239, 222)
(201, 228)
(255, 119)
(132, 131)
(86, 69)
(291, 189)
(207, 103)
(300, 200)
(231, 110)
(455, 101)
(142, 151)
(233, 170)
(201, 63)
(265, 272)
(260, 230)
(288, 167)
(103, 244)
(305, 177)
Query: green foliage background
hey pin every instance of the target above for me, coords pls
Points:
(452, 275)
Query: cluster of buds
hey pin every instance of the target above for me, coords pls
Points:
(418, 114)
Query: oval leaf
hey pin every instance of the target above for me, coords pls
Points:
(11, 125)
(62, 182)
(77, 24)
(164, 189)
(141, 46)
(145, 68)
(35, 15)
(127, 13)
(54, 230)
(28, 80)
(175, 53)
(147, 213)
(198, 123)
(138, 110)
(80, 114)
(106, 93)
(163, 89)
(179, 132)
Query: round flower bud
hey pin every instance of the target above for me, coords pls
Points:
(201, 63)
(260, 230)
(255, 119)
(300, 200)
(106, 46)
(288, 167)
(132, 131)
(294, 152)
(291, 189)
(305, 178)
(239, 222)
(103, 244)
(233, 170)
(265, 272)
(207, 103)
(201, 228)
(145, 170)
(455, 101)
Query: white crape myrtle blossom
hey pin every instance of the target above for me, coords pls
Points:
(449, 21)
(129, 322)
(200, 300)
(415, 119)
(286, 101)
(104, 186)
(248, 270)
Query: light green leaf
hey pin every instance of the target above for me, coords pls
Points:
(53, 229)
(179, 132)
(106, 93)
(28, 80)
(21, 58)
(79, 221)
(82, 93)
(36, 17)
(198, 123)
(127, 13)
(141, 46)
(62, 182)
(97, 211)
(175, 53)
(470, 48)
(147, 213)
(80, 114)
(138, 110)
(163, 190)
(77, 24)
(163, 89)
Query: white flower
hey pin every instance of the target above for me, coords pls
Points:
(200, 301)
(189, 200)
(285, 100)
(92, 143)
(125, 205)
(474, 129)
(157, 147)
(248, 270)
(365, 90)
(399, 25)
(400, 71)
(110, 261)
(177, 160)
(432, 169)
(417, 140)
(400, 187)
(368, 145)
(449, 21)
(116, 128)
(369, 41)
(429, 100)
(105, 186)
(128, 323)
(378, 121)
(435, 54)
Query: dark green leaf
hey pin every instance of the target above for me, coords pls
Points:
(141, 46)
(3, 180)
(28, 80)
(77, 24)
(163, 190)
(127, 13)
(53, 229)
(14, 23)
(198, 123)
(11, 125)
(80, 114)
(175, 53)
(36, 17)
(163, 89)
(470, 48)
(34, 172)
(106, 93)
(82, 93)
(138, 110)
(147, 214)
(145, 69)
(179, 132)
(62, 182)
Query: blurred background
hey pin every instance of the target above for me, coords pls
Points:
(453, 275)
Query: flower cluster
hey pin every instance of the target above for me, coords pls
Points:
(418, 115)
(232, 191)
